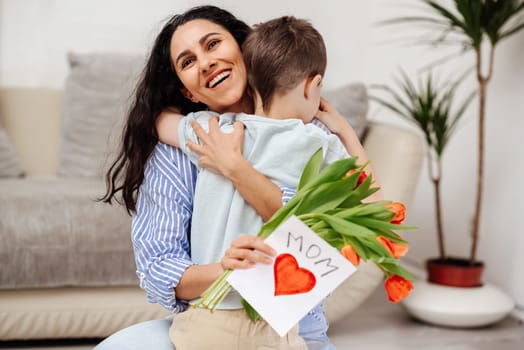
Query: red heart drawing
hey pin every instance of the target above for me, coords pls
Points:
(291, 279)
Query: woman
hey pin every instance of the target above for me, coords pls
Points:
(158, 181)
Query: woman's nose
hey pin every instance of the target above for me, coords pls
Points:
(207, 65)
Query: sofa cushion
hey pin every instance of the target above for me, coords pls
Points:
(81, 312)
(351, 101)
(9, 163)
(54, 233)
(96, 97)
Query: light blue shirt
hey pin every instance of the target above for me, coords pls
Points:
(278, 149)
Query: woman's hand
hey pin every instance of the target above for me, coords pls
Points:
(219, 152)
(245, 252)
(222, 153)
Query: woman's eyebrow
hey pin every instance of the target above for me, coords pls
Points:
(200, 42)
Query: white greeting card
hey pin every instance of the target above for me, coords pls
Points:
(304, 271)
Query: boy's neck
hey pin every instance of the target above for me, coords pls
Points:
(283, 105)
(280, 108)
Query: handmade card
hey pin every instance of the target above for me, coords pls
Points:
(305, 270)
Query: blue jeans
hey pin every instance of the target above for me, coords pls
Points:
(313, 329)
(154, 335)
(149, 335)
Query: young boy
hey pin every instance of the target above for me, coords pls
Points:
(285, 61)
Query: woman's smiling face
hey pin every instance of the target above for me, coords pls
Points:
(208, 61)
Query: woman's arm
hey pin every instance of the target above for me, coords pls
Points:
(222, 153)
(338, 125)
(196, 279)
(160, 225)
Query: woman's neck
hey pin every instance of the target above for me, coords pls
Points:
(245, 105)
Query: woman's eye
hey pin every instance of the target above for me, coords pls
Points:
(186, 62)
(213, 43)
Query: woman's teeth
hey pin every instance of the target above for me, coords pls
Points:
(218, 79)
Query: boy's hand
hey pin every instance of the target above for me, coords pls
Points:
(331, 118)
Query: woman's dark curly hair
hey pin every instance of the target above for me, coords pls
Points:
(158, 89)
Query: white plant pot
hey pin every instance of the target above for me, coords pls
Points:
(457, 307)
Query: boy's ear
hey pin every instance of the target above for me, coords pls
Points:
(189, 95)
(312, 82)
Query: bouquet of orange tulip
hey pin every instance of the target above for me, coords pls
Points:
(330, 202)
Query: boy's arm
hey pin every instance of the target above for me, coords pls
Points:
(167, 127)
(338, 125)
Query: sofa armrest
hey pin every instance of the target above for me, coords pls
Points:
(32, 118)
(396, 155)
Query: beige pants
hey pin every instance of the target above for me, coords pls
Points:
(199, 329)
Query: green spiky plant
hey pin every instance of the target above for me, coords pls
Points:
(478, 26)
(429, 106)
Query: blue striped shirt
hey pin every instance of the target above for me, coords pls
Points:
(161, 223)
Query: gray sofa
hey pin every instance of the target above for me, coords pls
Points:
(66, 261)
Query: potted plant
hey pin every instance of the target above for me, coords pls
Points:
(478, 26)
(430, 106)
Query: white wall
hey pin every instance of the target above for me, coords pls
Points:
(36, 34)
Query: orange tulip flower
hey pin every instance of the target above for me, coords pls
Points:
(396, 249)
(397, 288)
(361, 177)
(386, 243)
(400, 212)
(399, 249)
(349, 253)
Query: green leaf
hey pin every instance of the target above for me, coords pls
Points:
(366, 209)
(361, 249)
(348, 228)
(251, 312)
(332, 237)
(325, 197)
(311, 169)
(333, 172)
(360, 193)
(381, 225)
(511, 31)
(430, 107)
(387, 260)
(398, 270)
(282, 214)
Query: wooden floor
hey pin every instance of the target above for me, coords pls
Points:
(377, 325)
